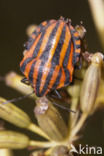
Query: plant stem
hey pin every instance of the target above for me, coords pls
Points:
(78, 126)
(97, 9)
(34, 128)
(42, 144)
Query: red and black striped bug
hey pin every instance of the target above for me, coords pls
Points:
(51, 55)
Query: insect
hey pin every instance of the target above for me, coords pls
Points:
(51, 54)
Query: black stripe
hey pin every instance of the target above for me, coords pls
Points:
(67, 77)
(22, 68)
(67, 55)
(65, 63)
(30, 75)
(78, 46)
(45, 53)
(47, 81)
(55, 60)
(45, 56)
(77, 38)
(35, 51)
(72, 30)
(57, 80)
(41, 26)
(56, 57)
(40, 72)
(75, 56)
(36, 32)
(29, 43)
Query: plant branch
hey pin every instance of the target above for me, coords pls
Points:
(97, 9)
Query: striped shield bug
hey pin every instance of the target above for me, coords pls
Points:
(51, 54)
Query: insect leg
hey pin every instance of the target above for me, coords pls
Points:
(18, 99)
(58, 94)
(25, 81)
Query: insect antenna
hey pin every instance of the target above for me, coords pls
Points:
(59, 105)
(63, 107)
(18, 99)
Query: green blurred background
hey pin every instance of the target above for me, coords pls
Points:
(15, 16)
